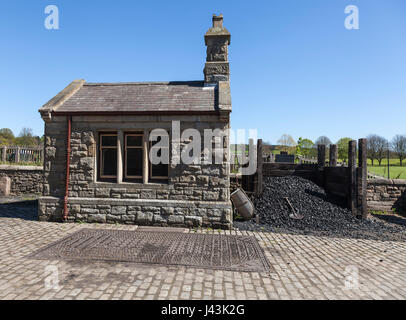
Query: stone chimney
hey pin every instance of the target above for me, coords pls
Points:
(217, 40)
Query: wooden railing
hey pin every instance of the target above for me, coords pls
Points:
(308, 160)
(16, 154)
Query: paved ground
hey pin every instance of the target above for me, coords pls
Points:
(304, 267)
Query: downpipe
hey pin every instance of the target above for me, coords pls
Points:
(65, 206)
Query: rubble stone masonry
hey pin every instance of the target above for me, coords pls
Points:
(386, 195)
(194, 195)
(24, 179)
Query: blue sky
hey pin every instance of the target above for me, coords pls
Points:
(294, 67)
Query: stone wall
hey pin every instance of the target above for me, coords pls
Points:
(386, 195)
(194, 195)
(138, 211)
(185, 182)
(24, 179)
(55, 158)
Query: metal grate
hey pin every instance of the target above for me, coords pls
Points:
(226, 252)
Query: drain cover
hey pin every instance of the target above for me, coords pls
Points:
(227, 252)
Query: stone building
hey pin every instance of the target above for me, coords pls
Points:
(98, 138)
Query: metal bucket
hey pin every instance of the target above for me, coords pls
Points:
(243, 205)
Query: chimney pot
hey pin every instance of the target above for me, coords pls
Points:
(217, 21)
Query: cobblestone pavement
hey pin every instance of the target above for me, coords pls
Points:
(303, 267)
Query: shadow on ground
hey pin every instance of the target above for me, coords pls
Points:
(339, 201)
(391, 218)
(19, 208)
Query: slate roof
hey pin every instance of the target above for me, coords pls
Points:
(188, 96)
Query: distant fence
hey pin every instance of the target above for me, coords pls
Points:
(21, 154)
(308, 160)
(375, 176)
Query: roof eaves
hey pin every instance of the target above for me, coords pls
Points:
(60, 98)
(155, 112)
(143, 83)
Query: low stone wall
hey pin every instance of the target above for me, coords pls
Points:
(386, 195)
(24, 179)
(153, 212)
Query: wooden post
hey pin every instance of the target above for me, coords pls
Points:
(321, 162)
(4, 154)
(352, 168)
(259, 166)
(333, 155)
(362, 173)
(321, 155)
(253, 178)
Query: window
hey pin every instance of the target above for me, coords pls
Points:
(122, 156)
(133, 155)
(108, 155)
(160, 148)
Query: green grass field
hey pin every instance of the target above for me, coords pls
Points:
(395, 172)
(393, 162)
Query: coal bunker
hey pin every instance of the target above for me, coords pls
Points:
(323, 214)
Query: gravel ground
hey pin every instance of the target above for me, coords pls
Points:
(321, 215)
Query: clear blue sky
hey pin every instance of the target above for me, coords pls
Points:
(294, 67)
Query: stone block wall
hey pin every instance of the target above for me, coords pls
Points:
(386, 195)
(194, 195)
(24, 179)
(142, 212)
(55, 158)
(185, 182)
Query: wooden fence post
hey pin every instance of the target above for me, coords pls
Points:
(321, 162)
(352, 167)
(321, 155)
(362, 173)
(253, 178)
(333, 155)
(259, 167)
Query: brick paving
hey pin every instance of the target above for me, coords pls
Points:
(303, 267)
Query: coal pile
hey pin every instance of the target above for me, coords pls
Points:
(322, 214)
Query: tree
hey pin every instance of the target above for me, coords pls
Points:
(398, 145)
(26, 138)
(287, 142)
(342, 147)
(323, 140)
(6, 137)
(376, 148)
(303, 147)
(266, 147)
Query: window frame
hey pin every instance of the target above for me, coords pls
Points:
(133, 134)
(150, 164)
(101, 147)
